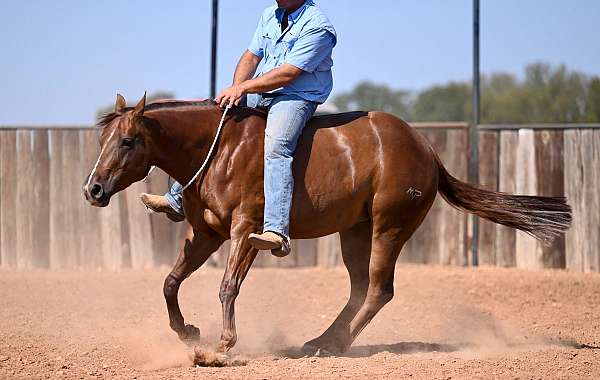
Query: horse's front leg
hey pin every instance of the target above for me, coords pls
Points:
(195, 253)
(241, 256)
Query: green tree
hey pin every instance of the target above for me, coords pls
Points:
(450, 102)
(547, 94)
(367, 96)
(592, 105)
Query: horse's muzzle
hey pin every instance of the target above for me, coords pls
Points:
(96, 194)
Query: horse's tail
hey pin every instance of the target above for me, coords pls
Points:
(544, 218)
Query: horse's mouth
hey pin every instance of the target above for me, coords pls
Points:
(101, 203)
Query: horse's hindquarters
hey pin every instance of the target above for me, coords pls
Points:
(374, 165)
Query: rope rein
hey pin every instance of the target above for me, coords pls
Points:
(210, 152)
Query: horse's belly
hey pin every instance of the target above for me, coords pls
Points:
(320, 213)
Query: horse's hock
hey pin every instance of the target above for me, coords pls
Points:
(44, 222)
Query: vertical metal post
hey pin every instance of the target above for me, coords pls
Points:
(473, 136)
(213, 49)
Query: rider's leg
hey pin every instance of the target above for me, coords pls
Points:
(170, 204)
(174, 198)
(287, 117)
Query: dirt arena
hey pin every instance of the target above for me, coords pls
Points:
(443, 323)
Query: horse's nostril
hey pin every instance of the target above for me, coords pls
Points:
(97, 191)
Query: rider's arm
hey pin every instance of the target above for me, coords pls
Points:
(246, 67)
(276, 78)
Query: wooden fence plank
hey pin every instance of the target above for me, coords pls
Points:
(488, 179)
(506, 237)
(594, 222)
(574, 189)
(58, 200)
(330, 252)
(8, 194)
(110, 232)
(526, 253)
(582, 166)
(91, 245)
(306, 251)
(591, 200)
(549, 158)
(40, 208)
(71, 187)
(140, 230)
(423, 247)
(24, 184)
(165, 234)
(452, 229)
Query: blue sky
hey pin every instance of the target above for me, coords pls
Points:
(61, 60)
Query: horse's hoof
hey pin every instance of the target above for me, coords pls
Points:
(309, 349)
(190, 335)
(322, 348)
(319, 352)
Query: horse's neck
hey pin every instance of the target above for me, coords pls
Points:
(182, 142)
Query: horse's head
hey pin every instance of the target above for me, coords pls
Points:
(124, 152)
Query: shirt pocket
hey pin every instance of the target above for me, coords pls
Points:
(289, 40)
(268, 43)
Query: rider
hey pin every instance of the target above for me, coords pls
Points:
(294, 40)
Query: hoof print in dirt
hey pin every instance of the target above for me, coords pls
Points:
(203, 358)
(190, 335)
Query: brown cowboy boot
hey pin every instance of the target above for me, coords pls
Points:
(277, 244)
(159, 204)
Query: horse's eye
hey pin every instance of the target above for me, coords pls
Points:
(127, 143)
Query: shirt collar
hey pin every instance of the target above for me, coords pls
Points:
(295, 15)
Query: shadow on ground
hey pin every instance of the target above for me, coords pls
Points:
(405, 348)
(370, 350)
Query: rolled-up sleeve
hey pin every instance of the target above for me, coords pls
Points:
(311, 48)
(256, 45)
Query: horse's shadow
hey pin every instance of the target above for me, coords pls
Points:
(401, 348)
(406, 348)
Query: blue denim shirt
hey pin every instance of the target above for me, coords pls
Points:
(307, 44)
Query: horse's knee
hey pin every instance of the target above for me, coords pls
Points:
(228, 291)
(171, 287)
(276, 148)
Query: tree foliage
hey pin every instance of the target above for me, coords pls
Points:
(546, 94)
(370, 96)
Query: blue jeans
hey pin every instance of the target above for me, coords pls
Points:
(287, 117)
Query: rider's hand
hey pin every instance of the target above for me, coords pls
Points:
(231, 95)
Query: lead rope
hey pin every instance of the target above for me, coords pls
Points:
(210, 151)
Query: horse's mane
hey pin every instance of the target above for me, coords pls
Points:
(108, 118)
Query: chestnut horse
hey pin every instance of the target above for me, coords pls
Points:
(367, 175)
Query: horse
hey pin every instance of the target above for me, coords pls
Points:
(367, 175)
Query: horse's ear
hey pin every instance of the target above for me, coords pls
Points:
(139, 108)
(120, 104)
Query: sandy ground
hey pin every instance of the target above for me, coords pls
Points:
(443, 323)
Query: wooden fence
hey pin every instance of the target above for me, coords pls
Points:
(45, 222)
(550, 160)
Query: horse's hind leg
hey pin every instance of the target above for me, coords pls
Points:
(195, 253)
(385, 251)
(356, 252)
